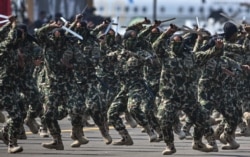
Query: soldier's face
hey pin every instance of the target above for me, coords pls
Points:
(23, 34)
(57, 34)
(78, 25)
(176, 45)
(233, 38)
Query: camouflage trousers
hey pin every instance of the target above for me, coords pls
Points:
(96, 107)
(244, 94)
(63, 95)
(117, 107)
(168, 110)
(224, 100)
(151, 108)
(108, 90)
(9, 97)
(31, 98)
(132, 100)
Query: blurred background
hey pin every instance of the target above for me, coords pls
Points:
(205, 13)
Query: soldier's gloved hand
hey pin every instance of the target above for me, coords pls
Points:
(146, 21)
(247, 28)
(219, 44)
(78, 17)
(172, 29)
(54, 24)
(245, 67)
(157, 23)
(13, 20)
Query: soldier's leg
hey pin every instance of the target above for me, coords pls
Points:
(199, 116)
(167, 118)
(150, 111)
(9, 97)
(76, 108)
(119, 106)
(135, 103)
(34, 109)
(51, 119)
(232, 120)
(97, 110)
(186, 128)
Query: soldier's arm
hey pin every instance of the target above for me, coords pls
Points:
(98, 28)
(5, 28)
(236, 69)
(12, 35)
(201, 57)
(158, 45)
(77, 19)
(42, 33)
(198, 43)
(145, 32)
(239, 48)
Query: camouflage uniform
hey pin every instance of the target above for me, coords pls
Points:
(28, 52)
(216, 91)
(9, 88)
(88, 81)
(198, 46)
(237, 84)
(133, 94)
(108, 85)
(152, 74)
(177, 92)
(160, 46)
(58, 58)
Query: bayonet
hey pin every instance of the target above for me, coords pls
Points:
(64, 20)
(84, 9)
(230, 18)
(171, 19)
(4, 21)
(108, 28)
(188, 29)
(72, 32)
(117, 27)
(4, 16)
(197, 21)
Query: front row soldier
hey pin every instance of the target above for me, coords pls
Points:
(177, 93)
(87, 78)
(8, 94)
(58, 62)
(133, 94)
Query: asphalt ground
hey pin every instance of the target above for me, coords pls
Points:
(97, 148)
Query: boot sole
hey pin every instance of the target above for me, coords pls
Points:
(15, 151)
(53, 148)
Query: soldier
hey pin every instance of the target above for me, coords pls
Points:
(151, 74)
(160, 46)
(9, 62)
(88, 79)
(29, 57)
(231, 88)
(177, 93)
(216, 90)
(203, 37)
(133, 94)
(58, 61)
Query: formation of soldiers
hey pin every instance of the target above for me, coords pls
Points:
(149, 75)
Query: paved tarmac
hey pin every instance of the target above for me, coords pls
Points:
(97, 148)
